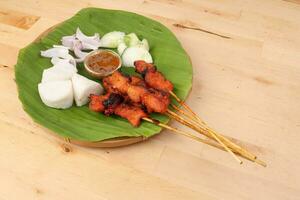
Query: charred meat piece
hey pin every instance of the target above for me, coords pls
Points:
(135, 80)
(142, 67)
(129, 101)
(96, 102)
(105, 103)
(117, 81)
(153, 78)
(135, 93)
(112, 102)
(156, 101)
(108, 87)
(132, 113)
(163, 96)
(158, 81)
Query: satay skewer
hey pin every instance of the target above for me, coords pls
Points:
(191, 136)
(186, 106)
(204, 132)
(197, 119)
(197, 128)
(226, 140)
(158, 123)
(213, 135)
(156, 80)
(120, 83)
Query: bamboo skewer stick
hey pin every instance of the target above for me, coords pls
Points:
(186, 106)
(200, 126)
(200, 121)
(199, 129)
(189, 124)
(191, 136)
(227, 149)
(244, 153)
(223, 138)
(184, 113)
(214, 136)
(153, 121)
(246, 156)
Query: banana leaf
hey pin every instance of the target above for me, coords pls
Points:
(79, 123)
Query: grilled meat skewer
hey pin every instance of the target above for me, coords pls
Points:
(153, 100)
(153, 78)
(113, 103)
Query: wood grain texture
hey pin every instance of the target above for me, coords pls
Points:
(246, 85)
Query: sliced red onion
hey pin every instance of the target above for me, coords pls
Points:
(68, 41)
(87, 46)
(92, 40)
(61, 46)
(79, 60)
(77, 51)
(77, 42)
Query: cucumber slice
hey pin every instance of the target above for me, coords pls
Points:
(143, 44)
(112, 39)
(131, 40)
(132, 54)
(121, 48)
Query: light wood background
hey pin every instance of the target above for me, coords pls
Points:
(246, 59)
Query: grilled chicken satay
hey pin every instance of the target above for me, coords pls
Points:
(132, 113)
(96, 102)
(120, 83)
(105, 103)
(134, 89)
(156, 101)
(143, 67)
(135, 80)
(153, 78)
(112, 103)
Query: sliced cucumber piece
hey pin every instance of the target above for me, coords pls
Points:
(131, 40)
(121, 48)
(143, 44)
(112, 39)
(132, 54)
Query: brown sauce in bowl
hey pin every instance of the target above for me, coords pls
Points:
(103, 62)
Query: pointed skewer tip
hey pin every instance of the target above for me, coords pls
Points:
(260, 162)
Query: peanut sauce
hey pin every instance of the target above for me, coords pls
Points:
(103, 62)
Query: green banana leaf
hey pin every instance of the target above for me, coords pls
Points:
(80, 123)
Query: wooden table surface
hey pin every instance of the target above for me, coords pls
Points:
(246, 62)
